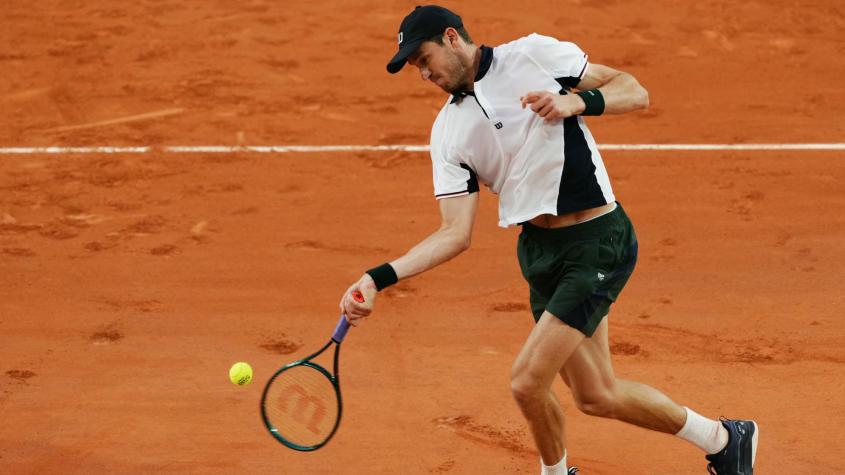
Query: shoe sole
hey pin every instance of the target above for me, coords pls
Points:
(754, 443)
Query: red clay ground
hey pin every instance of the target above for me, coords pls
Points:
(129, 284)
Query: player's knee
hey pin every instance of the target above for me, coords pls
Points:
(525, 390)
(601, 403)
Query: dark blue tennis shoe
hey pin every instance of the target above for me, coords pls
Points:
(572, 470)
(737, 458)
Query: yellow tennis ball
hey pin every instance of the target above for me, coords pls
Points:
(240, 373)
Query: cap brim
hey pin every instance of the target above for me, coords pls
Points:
(401, 56)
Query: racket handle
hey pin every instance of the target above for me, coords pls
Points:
(343, 324)
(341, 329)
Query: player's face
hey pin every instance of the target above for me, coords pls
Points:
(442, 65)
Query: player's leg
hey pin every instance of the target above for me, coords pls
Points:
(589, 374)
(597, 391)
(544, 353)
(560, 266)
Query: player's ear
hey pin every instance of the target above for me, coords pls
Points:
(452, 36)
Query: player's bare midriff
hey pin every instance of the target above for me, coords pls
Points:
(570, 219)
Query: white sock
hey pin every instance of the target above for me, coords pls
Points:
(706, 434)
(556, 469)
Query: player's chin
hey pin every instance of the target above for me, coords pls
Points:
(444, 85)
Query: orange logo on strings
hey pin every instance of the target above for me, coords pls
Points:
(304, 401)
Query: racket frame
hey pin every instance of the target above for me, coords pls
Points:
(337, 338)
(333, 378)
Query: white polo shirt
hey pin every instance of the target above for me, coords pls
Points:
(485, 136)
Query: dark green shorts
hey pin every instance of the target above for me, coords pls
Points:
(576, 272)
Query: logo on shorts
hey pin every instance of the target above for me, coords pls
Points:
(601, 277)
(498, 125)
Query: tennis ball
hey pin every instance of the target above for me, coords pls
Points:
(240, 373)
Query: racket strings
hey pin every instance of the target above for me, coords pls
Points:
(302, 406)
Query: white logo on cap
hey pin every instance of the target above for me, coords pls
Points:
(400, 37)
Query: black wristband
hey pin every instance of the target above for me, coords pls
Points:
(384, 276)
(594, 102)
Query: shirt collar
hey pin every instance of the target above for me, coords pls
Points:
(483, 67)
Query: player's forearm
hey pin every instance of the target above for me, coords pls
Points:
(622, 94)
(434, 250)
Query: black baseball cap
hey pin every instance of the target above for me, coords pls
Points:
(421, 24)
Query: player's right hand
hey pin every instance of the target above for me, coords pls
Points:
(354, 308)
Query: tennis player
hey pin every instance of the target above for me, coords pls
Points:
(514, 122)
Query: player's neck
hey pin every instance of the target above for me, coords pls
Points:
(475, 53)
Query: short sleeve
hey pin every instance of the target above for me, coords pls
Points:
(563, 60)
(451, 178)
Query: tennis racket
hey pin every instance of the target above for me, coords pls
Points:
(301, 403)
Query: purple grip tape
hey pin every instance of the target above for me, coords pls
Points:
(340, 330)
(343, 324)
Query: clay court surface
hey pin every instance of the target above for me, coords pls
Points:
(130, 283)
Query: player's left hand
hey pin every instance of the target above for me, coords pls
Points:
(551, 106)
(355, 310)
